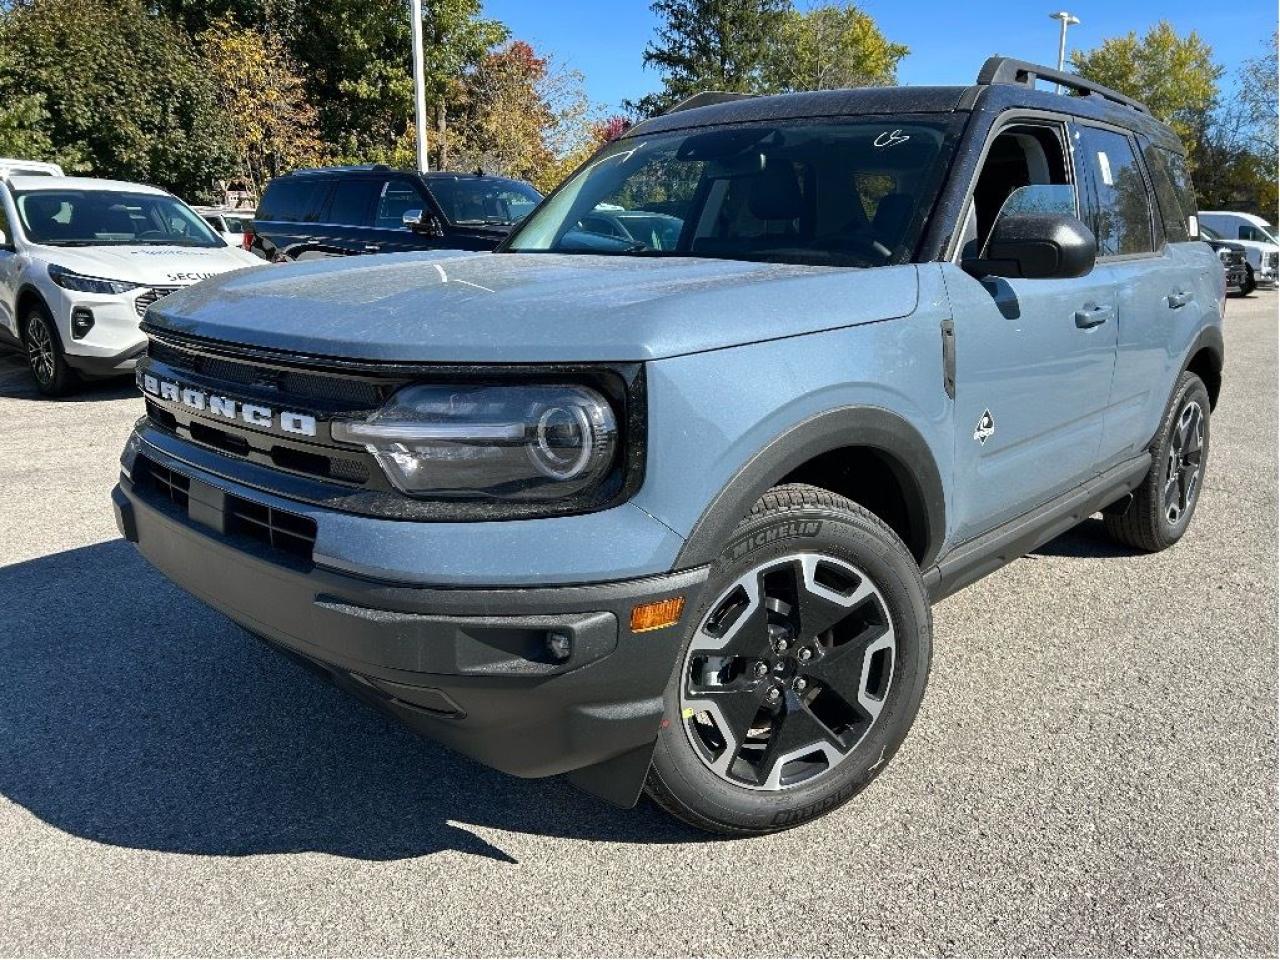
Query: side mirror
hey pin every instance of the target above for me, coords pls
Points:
(1036, 246)
(421, 222)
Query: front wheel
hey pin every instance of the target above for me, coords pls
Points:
(802, 674)
(53, 376)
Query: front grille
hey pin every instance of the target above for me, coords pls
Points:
(147, 297)
(298, 386)
(277, 529)
(1273, 260)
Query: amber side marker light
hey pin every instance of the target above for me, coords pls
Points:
(656, 615)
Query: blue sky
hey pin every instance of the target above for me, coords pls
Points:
(949, 39)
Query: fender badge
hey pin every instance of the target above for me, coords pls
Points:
(986, 427)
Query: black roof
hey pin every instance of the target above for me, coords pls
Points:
(1003, 83)
(384, 168)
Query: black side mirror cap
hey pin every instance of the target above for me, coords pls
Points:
(1036, 246)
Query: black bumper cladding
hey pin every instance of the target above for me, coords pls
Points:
(483, 671)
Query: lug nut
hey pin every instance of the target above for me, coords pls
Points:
(781, 645)
(804, 654)
(800, 684)
(762, 669)
(774, 694)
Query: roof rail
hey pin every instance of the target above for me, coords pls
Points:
(706, 99)
(999, 69)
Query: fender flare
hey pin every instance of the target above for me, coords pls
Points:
(1210, 338)
(902, 444)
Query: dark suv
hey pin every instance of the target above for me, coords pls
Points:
(338, 211)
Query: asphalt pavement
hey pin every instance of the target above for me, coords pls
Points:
(1093, 772)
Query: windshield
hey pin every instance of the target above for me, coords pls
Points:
(96, 218)
(488, 200)
(853, 193)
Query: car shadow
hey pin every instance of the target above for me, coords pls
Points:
(16, 383)
(131, 714)
(1088, 540)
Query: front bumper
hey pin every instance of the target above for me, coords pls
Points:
(470, 668)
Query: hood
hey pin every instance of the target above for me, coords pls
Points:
(530, 307)
(153, 266)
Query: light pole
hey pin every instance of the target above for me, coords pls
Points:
(1067, 20)
(419, 84)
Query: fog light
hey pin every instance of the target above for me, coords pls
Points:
(81, 322)
(656, 615)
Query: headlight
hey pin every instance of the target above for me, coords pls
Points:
(82, 284)
(513, 443)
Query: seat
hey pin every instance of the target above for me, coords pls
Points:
(893, 216)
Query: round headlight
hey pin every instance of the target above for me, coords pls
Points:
(518, 443)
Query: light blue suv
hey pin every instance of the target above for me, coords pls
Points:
(666, 509)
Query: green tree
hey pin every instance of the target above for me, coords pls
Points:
(359, 57)
(124, 92)
(829, 47)
(1174, 76)
(711, 45)
(22, 120)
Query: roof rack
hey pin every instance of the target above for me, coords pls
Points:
(706, 99)
(999, 69)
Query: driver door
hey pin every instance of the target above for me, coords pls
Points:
(1033, 358)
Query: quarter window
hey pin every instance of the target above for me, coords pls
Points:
(1121, 217)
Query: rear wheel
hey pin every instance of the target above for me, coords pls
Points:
(1163, 505)
(801, 675)
(48, 364)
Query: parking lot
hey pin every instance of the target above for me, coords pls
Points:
(1093, 772)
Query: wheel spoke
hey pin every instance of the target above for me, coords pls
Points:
(796, 733)
(734, 711)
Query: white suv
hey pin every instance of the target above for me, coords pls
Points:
(80, 262)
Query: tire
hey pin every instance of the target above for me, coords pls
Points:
(1250, 284)
(1160, 512)
(45, 357)
(853, 681)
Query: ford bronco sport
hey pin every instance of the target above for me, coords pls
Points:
(667, 510)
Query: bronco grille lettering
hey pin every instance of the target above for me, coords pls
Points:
(255, 415)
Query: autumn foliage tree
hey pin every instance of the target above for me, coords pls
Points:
(274, 127)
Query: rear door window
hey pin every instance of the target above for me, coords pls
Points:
(352, 202)
(1121, 215)
(290, 200)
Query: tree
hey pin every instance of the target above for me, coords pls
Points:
(830, 47)
(710, 45)
(22, 120)
(359, 57)
(524, 116)
(1174, 76)
(123, 92)
(273, 126)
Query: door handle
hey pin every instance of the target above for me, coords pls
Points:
(373, 248)
(1179, 299)
(1092, 316)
